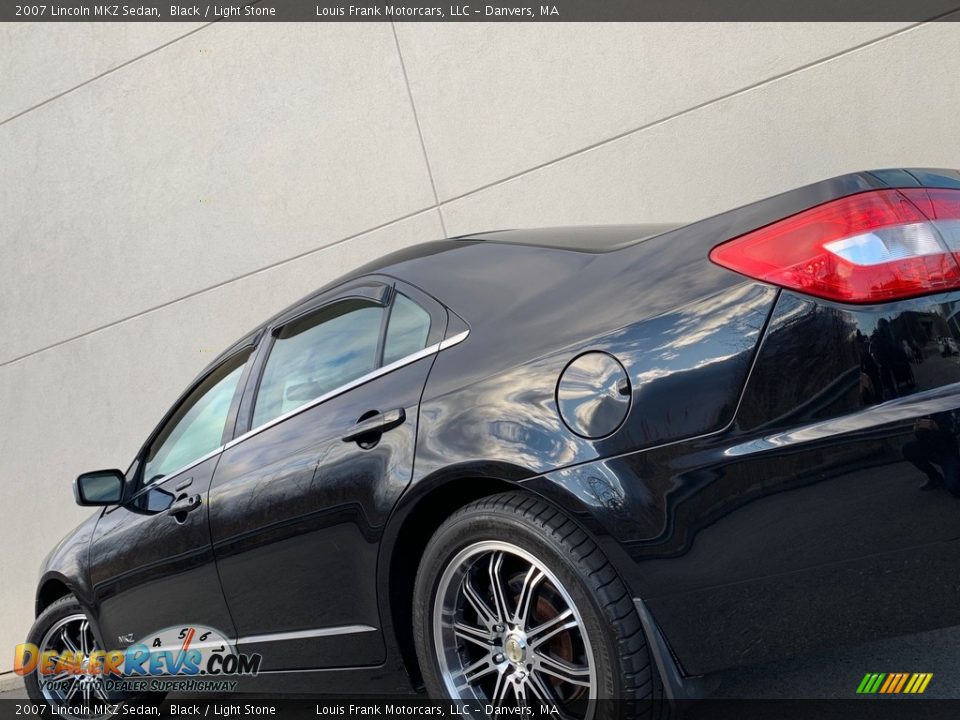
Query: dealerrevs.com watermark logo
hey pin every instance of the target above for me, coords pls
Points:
(183, 659)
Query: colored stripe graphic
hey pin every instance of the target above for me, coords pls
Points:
(893, 679)
(894, 683)
(903, 681)
(870, 683)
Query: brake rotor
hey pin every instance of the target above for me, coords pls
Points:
(560, 646)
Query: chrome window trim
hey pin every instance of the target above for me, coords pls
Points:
(362, 380)
(452, 340)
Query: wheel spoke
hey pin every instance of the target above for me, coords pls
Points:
(478, 604)
(478, 670)
(520, 690)
(84, 645)
(93, 640)
(65, 639)
(542, 633)
(532, 579)
(573, 674)
(100, 692)
(496, 587)
(71, 691)
(500, 687)
(475, 635)
(540, 688)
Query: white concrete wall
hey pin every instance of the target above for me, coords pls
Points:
(165, 187)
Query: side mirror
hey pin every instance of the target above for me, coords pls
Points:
(100, 487)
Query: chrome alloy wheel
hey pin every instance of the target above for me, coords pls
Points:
(71, 634)
(507, 631)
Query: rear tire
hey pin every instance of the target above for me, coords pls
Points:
(563, 628)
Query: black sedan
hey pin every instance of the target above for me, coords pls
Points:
(558, 464)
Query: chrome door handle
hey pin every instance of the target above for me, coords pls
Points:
(379, 423)
(184, 505)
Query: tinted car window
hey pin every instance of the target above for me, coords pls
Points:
(197, 426)
(408, 330)
(316, 354)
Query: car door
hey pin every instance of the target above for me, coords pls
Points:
(151, 561)
(299, 501)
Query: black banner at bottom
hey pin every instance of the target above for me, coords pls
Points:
(328, 708)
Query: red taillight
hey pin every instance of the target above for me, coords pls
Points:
(877, 246)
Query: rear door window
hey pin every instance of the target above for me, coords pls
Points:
(316, 354)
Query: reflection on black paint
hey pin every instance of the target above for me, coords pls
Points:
(819, 361)
(685, 367)
(934, 451)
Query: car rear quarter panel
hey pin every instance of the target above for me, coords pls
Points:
(686, 369)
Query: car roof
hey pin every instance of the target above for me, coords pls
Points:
(585, 238)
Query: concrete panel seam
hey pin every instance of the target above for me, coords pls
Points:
(688, 110)
(105, 73)
(416, 120)
(195, 293)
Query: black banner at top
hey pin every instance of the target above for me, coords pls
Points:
(472, 11)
